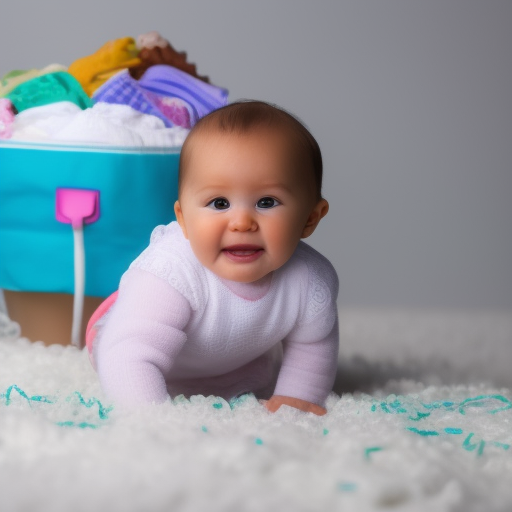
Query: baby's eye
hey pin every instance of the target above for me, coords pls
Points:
(219, 203)
(267, 202)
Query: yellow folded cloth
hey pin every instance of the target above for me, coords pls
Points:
(94, 70)
(14, 78)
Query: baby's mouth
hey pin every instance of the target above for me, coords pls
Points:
(243, 253)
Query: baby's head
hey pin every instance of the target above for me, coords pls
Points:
(248, 117)
(249, 189)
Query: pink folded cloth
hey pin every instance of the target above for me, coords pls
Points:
(6, 118)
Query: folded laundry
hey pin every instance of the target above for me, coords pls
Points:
(154, 49)
(48, 88)
(6, 118)
(170, 82)
(46, 104)
(94, 70)
(103, 124)
(17, 77)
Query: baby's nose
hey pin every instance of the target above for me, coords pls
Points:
(242, 219)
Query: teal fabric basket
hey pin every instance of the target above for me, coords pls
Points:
(137, 190)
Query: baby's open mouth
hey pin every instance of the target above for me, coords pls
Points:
(243, 253)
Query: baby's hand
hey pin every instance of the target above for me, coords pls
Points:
(277, 400)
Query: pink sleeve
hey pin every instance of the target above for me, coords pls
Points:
(141, 338)
(309, 369)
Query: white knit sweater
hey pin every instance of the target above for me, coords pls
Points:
(178, 328)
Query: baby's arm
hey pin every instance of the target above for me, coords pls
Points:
(308, 372)
(142, 337)
(310, 351)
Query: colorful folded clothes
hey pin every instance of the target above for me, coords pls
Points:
(48, 88)
(94, 70)
(167, 97)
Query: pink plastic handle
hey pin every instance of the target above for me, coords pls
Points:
(77, 206)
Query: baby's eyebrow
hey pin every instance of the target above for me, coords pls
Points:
(211, 188)
(275, 186)
(261, 188)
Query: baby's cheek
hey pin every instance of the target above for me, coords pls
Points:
(284, 236)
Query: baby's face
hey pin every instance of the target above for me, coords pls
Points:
(245, 203)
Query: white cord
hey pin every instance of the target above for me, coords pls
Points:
(3, 305)
(78, 300)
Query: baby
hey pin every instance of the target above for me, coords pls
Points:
(228, 300)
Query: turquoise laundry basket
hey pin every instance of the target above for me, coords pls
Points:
(137, 190)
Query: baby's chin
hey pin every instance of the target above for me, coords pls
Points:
(241, 275)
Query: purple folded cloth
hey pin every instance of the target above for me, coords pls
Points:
(168, 93)
(122, 89)
(169, 82)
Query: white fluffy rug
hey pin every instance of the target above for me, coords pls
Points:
(424, 423)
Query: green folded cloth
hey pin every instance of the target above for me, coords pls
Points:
(16, 77)
(49, 88)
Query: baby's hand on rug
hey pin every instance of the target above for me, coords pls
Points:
(277, 400)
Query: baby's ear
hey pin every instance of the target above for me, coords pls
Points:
(179, 217)
(317, 213)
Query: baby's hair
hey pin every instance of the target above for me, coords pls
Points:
(243, 116)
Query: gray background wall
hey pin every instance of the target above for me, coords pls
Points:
(410, 102)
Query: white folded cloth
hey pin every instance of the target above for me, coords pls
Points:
(103, 124)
